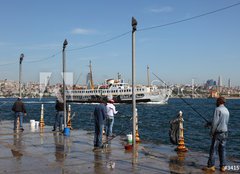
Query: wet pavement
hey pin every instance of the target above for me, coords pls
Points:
(38, 150)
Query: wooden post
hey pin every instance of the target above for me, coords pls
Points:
(181, 146)
(41, 123)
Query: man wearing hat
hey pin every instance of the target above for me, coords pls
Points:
(19, 109)
(219, 133)
(111, 111)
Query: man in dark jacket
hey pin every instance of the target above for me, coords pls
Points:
(19, 109)
(59, 115)
(100, 114)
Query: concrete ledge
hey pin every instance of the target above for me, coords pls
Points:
(42, 151)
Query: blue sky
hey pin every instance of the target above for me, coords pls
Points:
(202, 48)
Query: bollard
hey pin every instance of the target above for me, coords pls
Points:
(41, 123)
(69, 123)
(137, 134)
(181, 146)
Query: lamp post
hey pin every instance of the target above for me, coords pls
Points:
(20, 75)
(64, 85)
(134, 28)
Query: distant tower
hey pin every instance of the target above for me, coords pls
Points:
(148, 78)
(229, 83)
(220, 83)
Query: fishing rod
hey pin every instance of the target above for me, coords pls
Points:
(208, 122)
(123, 131)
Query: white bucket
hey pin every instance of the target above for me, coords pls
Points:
(32, 123)
(129, 138)
(36, 124)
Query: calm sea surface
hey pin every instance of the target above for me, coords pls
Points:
(153, 120)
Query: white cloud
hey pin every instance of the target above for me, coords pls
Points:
(165, 9)
(83, 31)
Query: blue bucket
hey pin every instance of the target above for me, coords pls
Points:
(66, 131)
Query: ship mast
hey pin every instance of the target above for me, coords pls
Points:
(91, 78)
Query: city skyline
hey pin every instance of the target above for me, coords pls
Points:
(198, 48)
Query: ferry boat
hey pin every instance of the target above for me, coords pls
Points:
(120, 92)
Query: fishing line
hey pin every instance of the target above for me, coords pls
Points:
(208, 122)
(121, 132)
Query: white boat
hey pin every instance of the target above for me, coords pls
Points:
(120, 92)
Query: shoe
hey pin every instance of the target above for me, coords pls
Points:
(21, 129)
(209, 169)
(54, 130)
(223, 168)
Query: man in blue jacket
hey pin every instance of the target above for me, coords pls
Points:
(219, 133)
(100, 113)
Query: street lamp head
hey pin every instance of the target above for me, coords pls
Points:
(134, 24)
(65, 44)
(21, 58)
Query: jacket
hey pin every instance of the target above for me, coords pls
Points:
(18, 106)
(100, 113)
(220, 120)
(59, 106)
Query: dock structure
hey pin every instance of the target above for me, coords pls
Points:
(40, 151)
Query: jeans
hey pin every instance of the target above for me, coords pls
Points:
(98, 135)
(58, 120)
(218, 143)
(109, 126)
(20, 115)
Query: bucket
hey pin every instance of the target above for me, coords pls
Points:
(129, 138)
(32, 123)
(36, 124)
(66, 131)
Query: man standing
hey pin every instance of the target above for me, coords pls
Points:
(111, 111)
(219, 133)
(59, 115)
(99, 117)
(19, 109)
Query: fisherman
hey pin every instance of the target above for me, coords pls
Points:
(19, 109)
(59, 115)
(111, 111)
(219, 133)
(100, 113)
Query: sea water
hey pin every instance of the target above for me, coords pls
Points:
(153, 120)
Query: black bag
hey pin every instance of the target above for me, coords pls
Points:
(174, 131)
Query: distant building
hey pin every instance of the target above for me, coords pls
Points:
(229, 83)
(210, 83)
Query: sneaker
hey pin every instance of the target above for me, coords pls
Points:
(54, 130)
(21, 129)
(223, 168)
(209, 169)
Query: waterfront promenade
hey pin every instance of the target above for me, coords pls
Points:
(43, 151)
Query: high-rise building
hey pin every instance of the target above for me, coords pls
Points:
(229, 83)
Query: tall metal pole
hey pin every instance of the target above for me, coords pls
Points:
(64, 85)
(134, 28)
(20, 75)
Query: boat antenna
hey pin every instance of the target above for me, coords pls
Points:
(185, 101)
